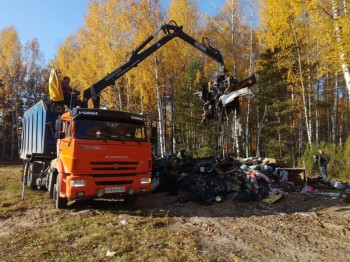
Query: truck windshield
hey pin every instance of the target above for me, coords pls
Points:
(108, 130)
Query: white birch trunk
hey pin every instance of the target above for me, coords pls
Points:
(339, 38)
(236, 133)
(120, 97)
(306, 115)
(159, 106)
(247, 133)
(335, 110)
(317, 112)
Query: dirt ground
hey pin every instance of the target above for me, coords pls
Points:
(298, 227)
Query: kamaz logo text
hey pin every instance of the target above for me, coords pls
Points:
(89, 113)
(116, 157)
(137, 118)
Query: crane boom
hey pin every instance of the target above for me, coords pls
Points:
(170, 30)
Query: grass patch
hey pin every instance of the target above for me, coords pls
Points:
(90, 238)
(33, 230)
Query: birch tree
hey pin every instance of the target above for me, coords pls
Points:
(339, 24)
(11, 76)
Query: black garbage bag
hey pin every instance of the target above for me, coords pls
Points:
(244, 196)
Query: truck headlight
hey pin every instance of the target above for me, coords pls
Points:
(145, 180)
(77, 183)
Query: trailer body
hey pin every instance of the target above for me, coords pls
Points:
(38, 131)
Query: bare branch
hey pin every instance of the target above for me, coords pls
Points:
(324, 10)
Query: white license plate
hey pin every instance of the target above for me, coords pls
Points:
(114, 190)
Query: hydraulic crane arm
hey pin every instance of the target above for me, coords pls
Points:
(171, 31)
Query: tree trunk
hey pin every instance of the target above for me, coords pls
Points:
(120, 97)
(159, 106)
(236, 133)
(306, 115)
(339, 38)
(248, 119)
(317, 98)
(233, 39)
(335, 111)
(279, 138)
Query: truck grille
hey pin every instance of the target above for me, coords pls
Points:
(111, 175)
(112, 183)
(114, 166)
(110, 170)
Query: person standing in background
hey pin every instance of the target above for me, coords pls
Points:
(323, 164)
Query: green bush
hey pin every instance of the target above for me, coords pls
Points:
(339, 162)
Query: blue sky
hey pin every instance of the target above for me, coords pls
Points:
(52, 21)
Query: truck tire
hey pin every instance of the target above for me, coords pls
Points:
(31, 180)
(130, 200)
(32, 174)
(60, 202)
(51, 182)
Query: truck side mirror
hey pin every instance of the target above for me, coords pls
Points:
(58, 125)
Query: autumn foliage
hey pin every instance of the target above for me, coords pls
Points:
(299, 51)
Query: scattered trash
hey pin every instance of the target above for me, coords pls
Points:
(339, 185)
(272, 198)
(329, 194)
(212, 180)
(307, 189)
(123, 222)
(333, 189)
(110, 253)
(346, 197)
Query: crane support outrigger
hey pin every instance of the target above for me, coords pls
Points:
(170, 30)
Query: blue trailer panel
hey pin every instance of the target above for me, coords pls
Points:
(38, 131)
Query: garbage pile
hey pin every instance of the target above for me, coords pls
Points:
(333, 189)
(209, 180)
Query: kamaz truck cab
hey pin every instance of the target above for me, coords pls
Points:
(101, 153)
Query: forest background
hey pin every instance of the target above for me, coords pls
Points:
(298, 50)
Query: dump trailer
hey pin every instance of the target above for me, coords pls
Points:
(85, 153)
(38, 143)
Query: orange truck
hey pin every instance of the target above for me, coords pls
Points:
(97, 153)
(92, 152)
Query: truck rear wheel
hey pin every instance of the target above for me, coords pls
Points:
(31, 180)
(60, 202)
(32, 174)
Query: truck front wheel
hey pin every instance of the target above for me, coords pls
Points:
(51, 182)
(130, 200)
(60, 202)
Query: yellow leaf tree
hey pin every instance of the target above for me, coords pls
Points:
(11, 76)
